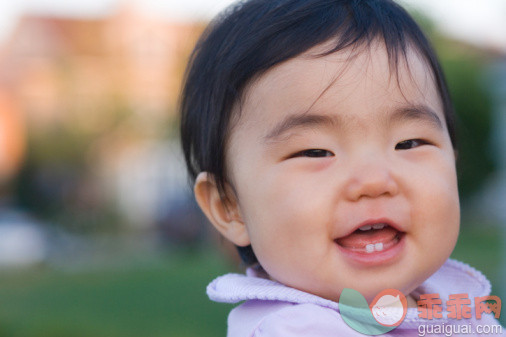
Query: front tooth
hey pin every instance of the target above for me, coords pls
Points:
(365, 228)
(378, 246)
(378, 225)
(369, 248)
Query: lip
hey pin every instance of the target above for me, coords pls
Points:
(377, 257)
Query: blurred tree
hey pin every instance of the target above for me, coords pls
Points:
(56, 181)
(465, 67)
(473, 104)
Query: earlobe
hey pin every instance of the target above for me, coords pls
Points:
(223, 214)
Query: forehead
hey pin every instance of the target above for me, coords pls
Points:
(353, 84)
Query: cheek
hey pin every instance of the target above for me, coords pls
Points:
(287, 192)
(282, 210)
(437, 205)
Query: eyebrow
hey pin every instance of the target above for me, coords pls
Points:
(302, 120)
(420, 113)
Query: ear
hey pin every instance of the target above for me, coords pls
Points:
(223, 214)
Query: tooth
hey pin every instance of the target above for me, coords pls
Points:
(365, 227)
(378, 226)
(369, 248)
(378, 246)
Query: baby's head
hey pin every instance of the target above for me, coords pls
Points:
(320, 137)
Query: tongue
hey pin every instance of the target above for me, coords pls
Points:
(359, 239)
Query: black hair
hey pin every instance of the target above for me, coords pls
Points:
(253, 36)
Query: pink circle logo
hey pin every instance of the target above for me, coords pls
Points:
(389, 307)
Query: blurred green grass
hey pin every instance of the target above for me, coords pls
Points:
(162, 297)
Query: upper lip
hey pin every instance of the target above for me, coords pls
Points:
(371, 221)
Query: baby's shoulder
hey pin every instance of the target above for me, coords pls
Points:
(276, 318)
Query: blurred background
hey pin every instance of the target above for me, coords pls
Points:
(99, 233)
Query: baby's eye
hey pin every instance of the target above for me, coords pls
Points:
(313, 153)
(410, 143)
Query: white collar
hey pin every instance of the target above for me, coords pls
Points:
(453, 277)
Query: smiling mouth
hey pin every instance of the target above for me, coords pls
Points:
(370, 239)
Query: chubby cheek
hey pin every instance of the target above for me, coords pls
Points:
(286, 217)
(437, 214)
(286, 196)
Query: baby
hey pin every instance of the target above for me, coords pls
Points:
(321, 140)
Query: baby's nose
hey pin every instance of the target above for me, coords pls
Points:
(371, 177)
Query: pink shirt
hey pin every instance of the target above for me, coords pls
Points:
(273, 309)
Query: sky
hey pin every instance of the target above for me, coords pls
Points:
(480, 22)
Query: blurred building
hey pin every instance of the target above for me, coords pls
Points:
(12, 138)
(99, 98)
(73, 70)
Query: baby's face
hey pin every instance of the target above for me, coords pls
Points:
(325, 148)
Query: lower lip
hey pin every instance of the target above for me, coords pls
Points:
(375, 258)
